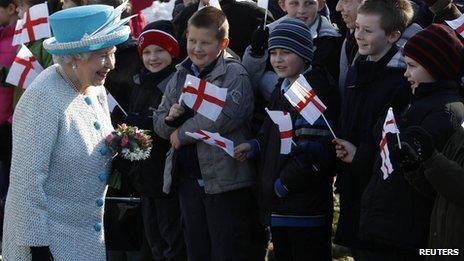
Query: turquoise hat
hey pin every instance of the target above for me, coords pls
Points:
(86, 29)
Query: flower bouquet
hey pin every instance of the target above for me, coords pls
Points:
(134, 144)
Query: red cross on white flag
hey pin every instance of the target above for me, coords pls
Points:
(203, 97)
(24, 69)
(457, 25)
(33, 26)
(284, 121)
(302, 96)
(213, 139)
(389, 126)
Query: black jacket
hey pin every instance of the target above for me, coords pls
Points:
(372, 87)
(147, 175)
(244, 18)
(445, 173)
(394, 212)
(310, 189)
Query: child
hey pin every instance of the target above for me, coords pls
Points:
(161, 215)
(435, 58)
(374, 84)
(214, 189)
(296, 188)
(8, 18)
(327, 42)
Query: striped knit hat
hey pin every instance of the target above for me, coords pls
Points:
(293, 35)
(438, 49)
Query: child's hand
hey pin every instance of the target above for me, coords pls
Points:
(176, 111)
(175, 142)
(242, 152)
(345, 150)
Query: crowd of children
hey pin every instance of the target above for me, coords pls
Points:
(200, 203)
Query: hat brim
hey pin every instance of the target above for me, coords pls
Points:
(87, 45)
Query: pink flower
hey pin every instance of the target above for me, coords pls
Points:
(123, 126)
(109, 138)
(124, 141)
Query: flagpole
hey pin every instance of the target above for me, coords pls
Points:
(399, 142)
(180, 98)
(123, 111)
(398, 132)
(328, 125)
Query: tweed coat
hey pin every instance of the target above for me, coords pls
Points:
(59, 171)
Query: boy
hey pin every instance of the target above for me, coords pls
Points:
(374, 83)
(435, 61)
(349, 52)
(327, 42)
(296, 195)
(158, 50)
(214, 189)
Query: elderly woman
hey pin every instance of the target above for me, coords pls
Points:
(54, 207)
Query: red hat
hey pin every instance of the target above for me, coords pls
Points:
(160, 38)
(438, 49)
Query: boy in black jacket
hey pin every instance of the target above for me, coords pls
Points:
(161, 215)
(296, 189)
(374, 83)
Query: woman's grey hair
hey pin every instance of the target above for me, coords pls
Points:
(68, 58)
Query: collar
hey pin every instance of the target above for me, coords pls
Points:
(285, 85)
(432, 88)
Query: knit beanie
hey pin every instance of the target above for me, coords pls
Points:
(293, 35)
(438, 49)
(160, 33)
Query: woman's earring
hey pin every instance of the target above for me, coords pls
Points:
(74, 66)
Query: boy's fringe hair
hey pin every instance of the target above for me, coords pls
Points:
(395, 15)
(211, 18)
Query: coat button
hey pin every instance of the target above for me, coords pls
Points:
(103, 151)
(103, 176)
(100, 202)
(97, 125)
(88, 100)
(97, 226)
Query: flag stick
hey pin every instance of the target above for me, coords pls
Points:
(399, 142)
(123, 111)
(180, 98)
(265, 19)
(328, 125)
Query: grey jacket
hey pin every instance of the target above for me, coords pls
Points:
(219, 171)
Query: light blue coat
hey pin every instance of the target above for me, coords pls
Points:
(58, 172)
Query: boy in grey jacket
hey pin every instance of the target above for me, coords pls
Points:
(214, 189)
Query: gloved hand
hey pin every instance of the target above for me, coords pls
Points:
(259, 41)
(41, 253)
(416, 147)
(296, 174)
